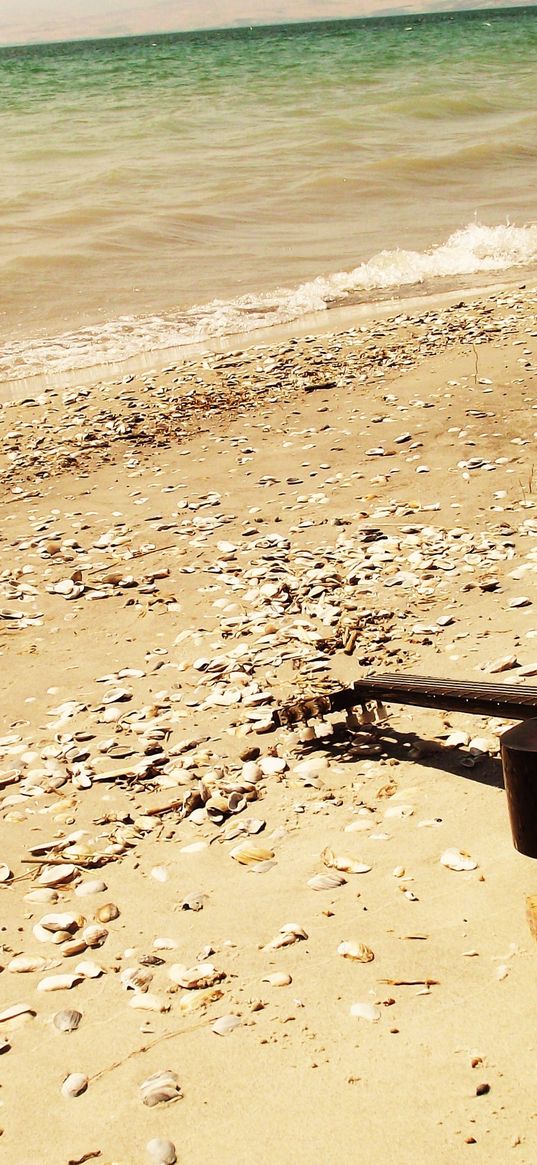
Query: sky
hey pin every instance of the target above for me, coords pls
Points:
(27, 21)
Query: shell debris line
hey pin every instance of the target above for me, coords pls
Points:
(184, 552)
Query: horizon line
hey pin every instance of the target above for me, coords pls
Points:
(385, 14)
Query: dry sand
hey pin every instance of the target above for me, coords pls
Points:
(181, 553)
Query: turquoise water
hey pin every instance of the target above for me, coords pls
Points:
(160, 190)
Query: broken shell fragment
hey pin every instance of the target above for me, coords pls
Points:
(16, 1015)
(289, 933)
(5, 873)
(225, 1024)
(194, 978)
(148, 1002)
(75, 1084)
(456, 859)
(67, 1020)
(95, 935)
(277, 979)
(161, 1087)
(358, 952)
(136, 978)
(366, 1011)
(342, 862)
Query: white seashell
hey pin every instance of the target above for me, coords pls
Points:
(247, 854)
(456, 859)
(149, 1002)
(59, 982)
(56, 875)
(456, 740)
(395, 811)
(89, 970)
(23, 964)
(43, 895)
(95, 935)
(194, 847)
(136, 978)
(162, 1151)
(226, 1024)
(161, 1087)
(75, 1084)
(5, 873)
(342, 862)
(68, 1020)
(16, 1013)
(94, 886)
(366, 1011)
(271, 765)
(358, 952)
(251, 771)
(505, 663)
(194, 978)
(289, 933)
(159, 873)
(520, 601)
(277, 979)
(326, 881)
(312, 767)
(164, 944)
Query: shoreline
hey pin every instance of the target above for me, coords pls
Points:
(354, 313)
(183, 551)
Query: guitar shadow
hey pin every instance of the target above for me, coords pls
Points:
(348, 745)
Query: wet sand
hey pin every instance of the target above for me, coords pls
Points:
(182, 553)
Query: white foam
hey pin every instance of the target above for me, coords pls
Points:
(469, 251)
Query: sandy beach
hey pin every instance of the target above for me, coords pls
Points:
(264, 920)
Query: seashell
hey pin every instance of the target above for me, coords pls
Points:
(76, 946)
(56, 875)
(396, 811)
(107, 913)
(289, 933)
(505, 663)
(68, 588)
(199, 976)
(159, 873)
(165, 944)
(89, 970)
(59, 982)
(75, 1084)
(161, 1087)
(136, 978)
(225, 1024)
(57, 927)
(95, 935)
(326, 881)
(272, 765)
(247, 854)
(366, 1011)
(148, 1002)
(43, 895)
(94, 886)
(68, 1020)
(23, 964)
(520, 601)
(251, 771)
(194, 902)
(16, 1014)
(5, 873)
(358, 952)
(162, 1151)
(277, 979)
(456, 859)
(346, 864)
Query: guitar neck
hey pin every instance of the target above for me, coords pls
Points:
(513, 701)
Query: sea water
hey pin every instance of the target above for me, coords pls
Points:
(162, 190)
